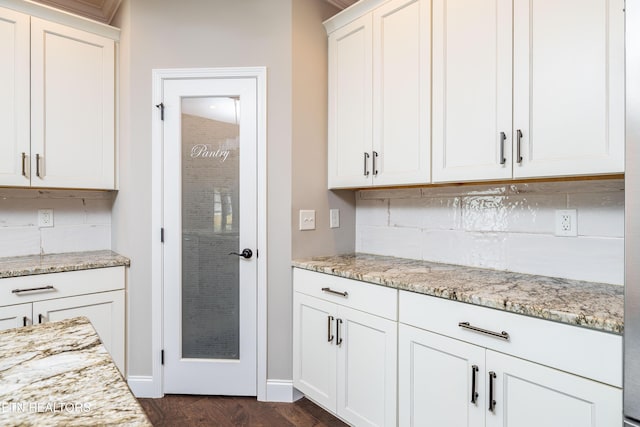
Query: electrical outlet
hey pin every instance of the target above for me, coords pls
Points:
(307, 220)
(45, 218)
(566, 222)
(334, 218)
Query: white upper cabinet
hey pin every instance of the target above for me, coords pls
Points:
(401, 103)
(379, 96)
(72, 108)
(569, 86)
(57, 101)
(471, 90)
(14, 97)
(350, 120)
(565, 95)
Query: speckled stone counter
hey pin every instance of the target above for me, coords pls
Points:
(593, 305)
(57, 263)
(60, 374)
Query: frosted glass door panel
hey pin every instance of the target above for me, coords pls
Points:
(210, 228)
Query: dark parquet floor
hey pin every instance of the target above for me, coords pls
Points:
(224, 411)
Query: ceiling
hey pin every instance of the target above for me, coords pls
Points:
(103, 10)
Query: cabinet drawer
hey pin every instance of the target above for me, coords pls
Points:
(367, 297)
(588, 353)
(60, 285)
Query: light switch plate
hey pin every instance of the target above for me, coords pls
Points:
(334, 218)
(307, 220)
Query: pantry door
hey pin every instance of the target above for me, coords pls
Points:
(210, 235)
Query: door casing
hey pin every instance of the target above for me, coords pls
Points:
(159, 76)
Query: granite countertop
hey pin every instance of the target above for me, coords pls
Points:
(60, 374)
(57, 263)
(593, 305)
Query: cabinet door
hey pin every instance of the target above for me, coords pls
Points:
(367, 356)
(14, 98)
(472, 106)
(72, 107)
(15, 316)
(105, 310)
(569, 86)
(314, 349)
(350, 112)
(401, 92)
(436, 380)
(532, 395)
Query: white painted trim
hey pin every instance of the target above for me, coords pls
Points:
(142, 386)
(158, 76)
(350, 14)
(61, 17)
(282, 391)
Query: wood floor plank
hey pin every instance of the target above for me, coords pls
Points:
(225, 411)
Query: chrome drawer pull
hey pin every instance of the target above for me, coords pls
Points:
(331, 291)
(43, 288)
(502, 335)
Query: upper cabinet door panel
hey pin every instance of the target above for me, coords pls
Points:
(14, 98)
(72, 107)
(472, 45)
(401, 104)
(569, 86)
(350, 85)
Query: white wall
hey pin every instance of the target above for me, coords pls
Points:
(194, 33)
(506, 227)
(82, 221)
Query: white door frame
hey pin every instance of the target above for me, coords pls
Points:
(155, 389)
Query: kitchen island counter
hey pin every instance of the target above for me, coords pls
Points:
(593, 305)
(60, 374)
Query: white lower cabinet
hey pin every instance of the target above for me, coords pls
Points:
(530, 395)
(345, 358)
(462, 365)
(97, 294)
(15, 316)
(444, 381)
(438, 377)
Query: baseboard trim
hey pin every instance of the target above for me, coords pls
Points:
(282, 391)
(143, 386)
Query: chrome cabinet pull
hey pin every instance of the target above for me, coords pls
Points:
(24, 168)
(366, 157)
(43, 288)
(502, 335)
(38, 166)
(375, 169)
(492, 402)
(503, 138)
(474, 393)
(329, 335)
(518, 148)
(331, 291)
(338, 326)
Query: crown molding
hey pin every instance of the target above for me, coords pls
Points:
(341, 4)
(98, 10)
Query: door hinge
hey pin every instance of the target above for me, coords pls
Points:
(161, 107)
(162, 235)
(162, 357)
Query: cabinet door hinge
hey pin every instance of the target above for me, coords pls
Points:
(162, 235)
(162, 357)
(161, 107)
